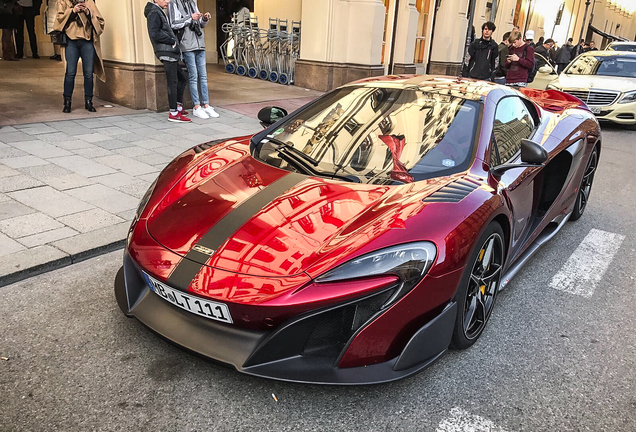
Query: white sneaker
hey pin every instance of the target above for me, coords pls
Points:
(201, 113)
(210, 111)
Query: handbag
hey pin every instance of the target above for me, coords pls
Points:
(58, 37)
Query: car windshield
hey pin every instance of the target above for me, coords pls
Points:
(603, 65)
(623, 47)
(376, 135)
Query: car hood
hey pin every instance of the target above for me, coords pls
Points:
(252, 218)
(587, 82)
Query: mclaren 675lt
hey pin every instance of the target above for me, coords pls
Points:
(357, 239)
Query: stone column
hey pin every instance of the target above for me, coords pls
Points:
(405, 38)
(449, 38)
(341, 41)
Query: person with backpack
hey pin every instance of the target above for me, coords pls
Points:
(500, 71)
(519, 62)
(483, 54)
(166, 47)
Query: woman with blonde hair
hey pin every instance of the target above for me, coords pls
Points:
(83, 24)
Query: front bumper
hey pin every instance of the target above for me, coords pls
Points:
(278, 354)
(618, 113)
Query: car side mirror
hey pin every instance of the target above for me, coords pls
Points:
(270, 115)
(532, 155)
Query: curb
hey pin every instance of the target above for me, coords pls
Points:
(55, 264)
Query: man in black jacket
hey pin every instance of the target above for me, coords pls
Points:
(483, 54)
(544, 50)
(166, 47)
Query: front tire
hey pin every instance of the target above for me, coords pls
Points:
(586, 187)
(479, 287)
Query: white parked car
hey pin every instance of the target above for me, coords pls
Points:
(621, 46)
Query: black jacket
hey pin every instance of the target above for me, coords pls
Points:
(483, 55)
(163, 39)
(564, 54)
(8, 14)
(544, 52)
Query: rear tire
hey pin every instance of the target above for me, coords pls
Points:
(586, 186)
(478, 288)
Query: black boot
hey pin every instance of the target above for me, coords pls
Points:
(67, 104)
(88, 104)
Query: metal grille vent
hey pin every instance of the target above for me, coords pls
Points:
(453, 192)
(595, 97)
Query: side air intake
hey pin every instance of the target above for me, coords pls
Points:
(453, 192)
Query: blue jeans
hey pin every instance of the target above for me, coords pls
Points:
(197, 76)
(76, 49)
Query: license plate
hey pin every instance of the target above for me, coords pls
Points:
(595, 110)
(196, 305)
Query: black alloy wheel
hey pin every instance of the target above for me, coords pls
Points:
(586, 187)
(479, 287)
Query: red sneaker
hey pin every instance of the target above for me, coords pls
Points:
(182, 110)
(178, 117)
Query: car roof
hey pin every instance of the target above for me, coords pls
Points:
(456, 86)
(622, 43)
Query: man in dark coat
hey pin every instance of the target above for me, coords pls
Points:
(564, 56)
(166, 47)
(483, 54)
(8, 23)
(544, 51)
(30, 9)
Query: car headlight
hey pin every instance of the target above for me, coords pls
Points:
(409, 262)
(628, 97)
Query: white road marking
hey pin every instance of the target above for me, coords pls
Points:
(586, 266)
(463, 421)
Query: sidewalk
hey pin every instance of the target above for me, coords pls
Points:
(69, 189)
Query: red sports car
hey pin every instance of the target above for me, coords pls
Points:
(357, 239)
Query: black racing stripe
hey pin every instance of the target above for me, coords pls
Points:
(188, 268)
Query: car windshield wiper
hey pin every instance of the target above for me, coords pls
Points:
(301, 161)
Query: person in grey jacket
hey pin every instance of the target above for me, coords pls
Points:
(188, 23)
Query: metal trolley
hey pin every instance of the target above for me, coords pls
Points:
(269, 54)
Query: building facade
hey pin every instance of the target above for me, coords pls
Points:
(345, 40)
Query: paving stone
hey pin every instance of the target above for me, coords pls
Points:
(111, 200)
(94, 137)
(171, 152)
(91, 123)
(127, 215)
(41, 149)
(50, 201)
(129, 137)
(8, 129)
(74, 145)
(18, 182)
(68, 181)
(93, 239)
(155, 159)
(116, 180)
(74, 129)
(137, 189)
(36, 129)
(149, 177)
(11, 137)
(8, 246)
(24, 161)
(4, 197)
(126, 165)
(47, 237)
(10, 208)
(134, 152)
(110, 130)
(83, 166)
(198, 138)
(92, 152)
(29, 224)
(90, 220)
(11, 152)
(30, 258)
(5, 171)
(150, 144)
(57, 138)
(113, 144)
(43, 172)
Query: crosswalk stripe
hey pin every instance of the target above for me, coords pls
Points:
(463, 421)
(584, 269)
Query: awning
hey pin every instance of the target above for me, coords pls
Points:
(607, 35)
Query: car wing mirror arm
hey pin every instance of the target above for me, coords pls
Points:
(498, 170)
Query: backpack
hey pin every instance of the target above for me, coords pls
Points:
(533, 72)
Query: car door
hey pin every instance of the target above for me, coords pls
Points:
(514, 122)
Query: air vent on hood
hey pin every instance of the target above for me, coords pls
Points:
(453, 192)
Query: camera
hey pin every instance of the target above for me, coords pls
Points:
(196, 28)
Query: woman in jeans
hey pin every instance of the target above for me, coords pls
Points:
(83, 24)
(188, 23)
